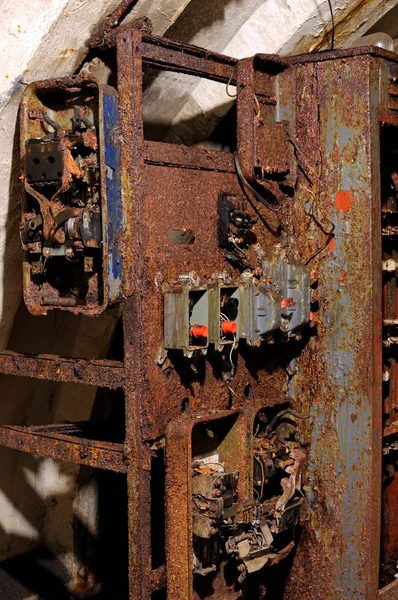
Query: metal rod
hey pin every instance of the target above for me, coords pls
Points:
(102, 373)
(73, 449)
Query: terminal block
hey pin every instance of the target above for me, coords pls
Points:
(186, 315)
(71, 209)
(261, 312)
(224, 312)
(291, 280)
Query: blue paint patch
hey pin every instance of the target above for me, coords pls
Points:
(113, 196)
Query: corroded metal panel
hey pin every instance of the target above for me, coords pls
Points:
(339, 373)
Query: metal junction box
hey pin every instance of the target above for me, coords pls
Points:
(72, 214)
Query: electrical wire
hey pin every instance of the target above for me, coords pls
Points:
(280, 414)
(232, 349)
(242, 254)
(332, 15)
(228, 84)
(330, 233)
(246, 184)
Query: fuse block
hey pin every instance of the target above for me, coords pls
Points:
(186, 315)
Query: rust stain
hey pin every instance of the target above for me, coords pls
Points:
(344, 278)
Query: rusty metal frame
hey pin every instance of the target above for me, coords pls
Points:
(59, 441)
(359, 397)
(101, 373)
(52, 441)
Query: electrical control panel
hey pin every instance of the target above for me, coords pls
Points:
(71, 213)
(222, 310)
(258, 291)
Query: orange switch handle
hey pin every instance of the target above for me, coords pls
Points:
(200, 331)
(229, 327)
(287, 302)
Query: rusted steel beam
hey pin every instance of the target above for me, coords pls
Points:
(130, 81)
(107, 33)
(342, 53)
(174, 56)
(159, 153)
(390, 592)
(47, 442)
(179, 493)
(168, 54)
(102, 373)
(390, 429)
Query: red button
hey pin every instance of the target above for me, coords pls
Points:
(200, 331)
(229, 327)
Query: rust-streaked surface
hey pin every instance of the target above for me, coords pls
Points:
(105, 373)
(323, 114)
(47, 441)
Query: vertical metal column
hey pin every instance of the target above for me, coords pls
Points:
(138, 471)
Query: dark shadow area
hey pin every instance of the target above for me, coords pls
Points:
(203, 129)
(158, 516)
(58, 332)
(189, 370)
(38, 572)
(272, 356)
(387, 24)
(199, 15)
(103, 574)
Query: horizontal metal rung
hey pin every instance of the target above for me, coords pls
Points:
(390, 429)
(102, 373)
(389, 592)
(47, 441)
(173, 155)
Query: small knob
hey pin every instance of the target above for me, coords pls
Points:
(229, 327)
